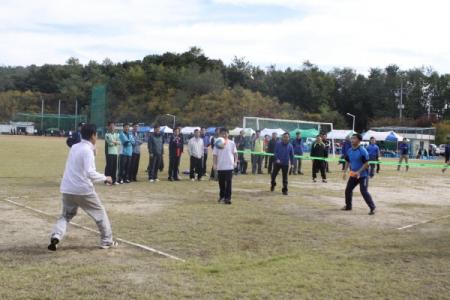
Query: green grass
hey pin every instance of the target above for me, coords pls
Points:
(264, 246)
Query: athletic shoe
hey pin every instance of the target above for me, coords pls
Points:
(127, 181)
(53, 243)
(228, 201)
(221, 200)
(314, 180)
(346, 208)
(116, 183)
(121, 182)
(170, 179)
(157, 180)
(285, 193)
(114, 244)
(372, 212)
(192, 179)
(151, 180)
(324, 180)
(272, 188)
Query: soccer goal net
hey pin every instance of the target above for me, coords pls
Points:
(308, 129)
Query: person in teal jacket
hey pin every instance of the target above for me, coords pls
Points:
(127, 141)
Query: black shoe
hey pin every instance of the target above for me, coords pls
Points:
(221, 200)
(372, 212)
(324, 180)
(177, 179)
(227, 201)
(346, 208)
(272, 188)
(127, 181)
(314, 180)
(285, 193)
(53, 243)
(300, 173)
(170, 179)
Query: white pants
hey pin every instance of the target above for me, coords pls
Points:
(92, 205)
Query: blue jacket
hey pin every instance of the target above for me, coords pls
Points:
(357, 158)
(206, 142)
(404, 149)
(284, 153)
(127, 142)
(373, 151)
(298, 146)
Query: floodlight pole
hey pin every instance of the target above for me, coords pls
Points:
(174, 119)
(354, 117)
(76, 112)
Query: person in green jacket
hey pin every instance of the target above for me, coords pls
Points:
(112, 142)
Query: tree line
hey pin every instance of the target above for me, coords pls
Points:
(204, 91)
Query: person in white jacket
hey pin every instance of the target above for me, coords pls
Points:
(196, 152)
(78, 190)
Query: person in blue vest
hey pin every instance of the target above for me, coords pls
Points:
(297, 144)
(403, 151)
(127, 141)
(357, 158)
(374, 154)
(284, 154)
(75, 137)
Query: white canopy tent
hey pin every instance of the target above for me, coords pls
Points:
(339, 134)
(189, 130)
(237, 131)
(389, 136)
(164, 129)
(268, 131)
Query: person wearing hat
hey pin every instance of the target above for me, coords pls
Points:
(357, 159)
(403, 151)
(75, 137)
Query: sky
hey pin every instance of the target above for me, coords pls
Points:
(359, 34)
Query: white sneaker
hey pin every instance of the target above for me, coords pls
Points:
(114, 244)
(116, 183)
(192, 179)
(157, 180)
(151, 180)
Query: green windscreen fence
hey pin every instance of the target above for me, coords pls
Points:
(43, 122)
(98, 108)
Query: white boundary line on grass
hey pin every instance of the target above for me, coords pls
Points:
(95, 231)
(423, 222)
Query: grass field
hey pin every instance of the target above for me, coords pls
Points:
(264, 246)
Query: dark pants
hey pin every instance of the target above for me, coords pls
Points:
(174, 165)
(372, 167)
(196, 167)
(111, 166)
(155, 164)
(284, 171)
(225, 179)
(270, 166)
(297, 167)
(318, 165)
(363, 187)
(205, 160)
(124, 168)
(242, 166)
(266, 160)
(257, 161)
(134, 166)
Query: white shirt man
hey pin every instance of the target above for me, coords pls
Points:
(224, 161)
(78, 190)
(196, 152)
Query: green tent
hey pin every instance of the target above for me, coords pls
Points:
(306, 133)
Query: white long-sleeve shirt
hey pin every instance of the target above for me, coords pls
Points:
(196, 148)
(80, 172)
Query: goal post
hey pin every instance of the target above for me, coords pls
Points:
(258, 123)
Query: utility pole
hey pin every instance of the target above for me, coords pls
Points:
(400, 105)
(354, 117)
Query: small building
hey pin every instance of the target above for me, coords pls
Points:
(419, 137)
(17, 128)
